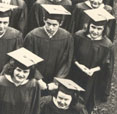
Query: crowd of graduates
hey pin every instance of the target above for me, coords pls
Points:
(56, 56)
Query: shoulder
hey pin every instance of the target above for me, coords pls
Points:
(12, 33)
(19, 3)
(63, 34)
(67, 2)
(2, 80)
(35, 32)
(80, 33)
(45, 101)
(82, 6)
(41, 2)
(107, 42)
(33, 83)
(108, 8)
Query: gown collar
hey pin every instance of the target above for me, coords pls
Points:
(99, 38)
(50, 35)
(8, 77)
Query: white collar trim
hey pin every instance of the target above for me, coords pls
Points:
(99, 38)
(8, 77)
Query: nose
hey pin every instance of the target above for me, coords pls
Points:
(1, 25)
(95, 30)
(21, 74)
(51, 26)
(62, 101)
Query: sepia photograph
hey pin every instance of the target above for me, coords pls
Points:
(58, 56)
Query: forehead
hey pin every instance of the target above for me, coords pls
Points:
(52, 21)
(4, 18)
(63, 95)
(97, 26)
(22, 69)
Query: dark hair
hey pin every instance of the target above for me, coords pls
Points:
(97, 24)
(10, 67)
(59, 18)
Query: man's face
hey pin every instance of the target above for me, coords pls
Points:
(63, 100)
(20, 75)
(95, 31)
(96, 3)
(4, 22)
(51, 25)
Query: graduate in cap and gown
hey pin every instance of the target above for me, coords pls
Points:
(19, 91)
(53, 43)
(36, 13)
(80, 20)
(10, 38)
(18, 18)
(64, 99)
(93, 62)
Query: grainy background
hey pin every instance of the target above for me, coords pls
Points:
(111, 106)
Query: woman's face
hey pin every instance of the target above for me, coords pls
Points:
(95, 31)
(21, 75)
(63, 100)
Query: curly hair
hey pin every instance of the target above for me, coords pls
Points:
(10, 67)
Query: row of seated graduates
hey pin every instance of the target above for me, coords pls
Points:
(29, 14)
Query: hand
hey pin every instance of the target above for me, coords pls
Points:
(93, 70)
(82, 67)
(42, 84)
(6, 1)
(52, 86)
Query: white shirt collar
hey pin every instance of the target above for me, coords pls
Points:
(8, 77)
(50, 35)
(88, 3)
(2, 35)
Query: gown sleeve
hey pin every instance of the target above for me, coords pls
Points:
(64, 70)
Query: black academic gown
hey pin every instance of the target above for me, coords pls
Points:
(80, 19)
(57, 51)
(10, 41)
(18, 19)
(93, 53)
(36, 14)
(23, 99)
(109, 2)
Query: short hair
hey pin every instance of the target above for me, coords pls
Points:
(59, 18)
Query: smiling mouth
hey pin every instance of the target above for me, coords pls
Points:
(20, 77)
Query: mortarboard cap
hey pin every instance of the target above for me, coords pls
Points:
(25, 57)
(99, 15)
(55, 9)
(5, 9)
(56, 12)
(69, 85)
